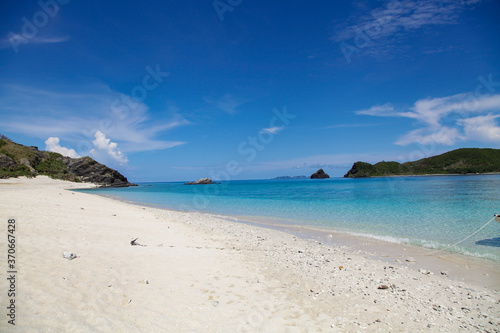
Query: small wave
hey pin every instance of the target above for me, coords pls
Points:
(389, 239)
(225, 217)
(456, 249)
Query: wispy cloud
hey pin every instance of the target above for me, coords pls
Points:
(385, 28)
(15, 40)
(227, 103)
(272, 130)
(77, 114)
(191, 168)
(315, 162)
(386, 110)
(446, 120)
(431, 135)
(306, 165)
(50, 40)
(352, 125)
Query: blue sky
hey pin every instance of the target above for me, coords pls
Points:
(231, 89)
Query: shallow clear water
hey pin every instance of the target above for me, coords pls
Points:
(430, 211)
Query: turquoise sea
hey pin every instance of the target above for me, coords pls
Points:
(430, 211)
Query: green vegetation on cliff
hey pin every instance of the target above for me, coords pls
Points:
(459, 161)
(17, 160)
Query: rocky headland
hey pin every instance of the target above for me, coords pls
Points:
(459, 161)
(17, 160)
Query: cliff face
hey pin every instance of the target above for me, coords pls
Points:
(91, 171)
(18, 160)
(459, 161)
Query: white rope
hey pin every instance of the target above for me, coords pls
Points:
(475, 232)
(433, 253)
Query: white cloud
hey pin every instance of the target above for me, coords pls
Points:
(482, 128)
(446, 120)
(77, 113)
(105, 150)
(272, 130)
(426, 136)
(432, 110)
(52, 144)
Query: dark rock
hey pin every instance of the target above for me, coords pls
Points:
(6, 161)
(320, 174)
(91, 171)
(202, 181)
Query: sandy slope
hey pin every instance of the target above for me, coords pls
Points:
(199, 273)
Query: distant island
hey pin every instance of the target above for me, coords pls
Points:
(17, 160)
(289, 177)
(459, 161)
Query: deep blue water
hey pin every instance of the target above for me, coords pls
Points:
(429, 211)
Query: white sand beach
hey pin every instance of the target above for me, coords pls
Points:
(199, 273)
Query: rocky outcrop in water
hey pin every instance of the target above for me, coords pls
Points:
(202, 181)
(320, 174)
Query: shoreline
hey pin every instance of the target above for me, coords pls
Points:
(460, 267)
(201, 273)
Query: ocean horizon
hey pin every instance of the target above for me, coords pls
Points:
(428, 211)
